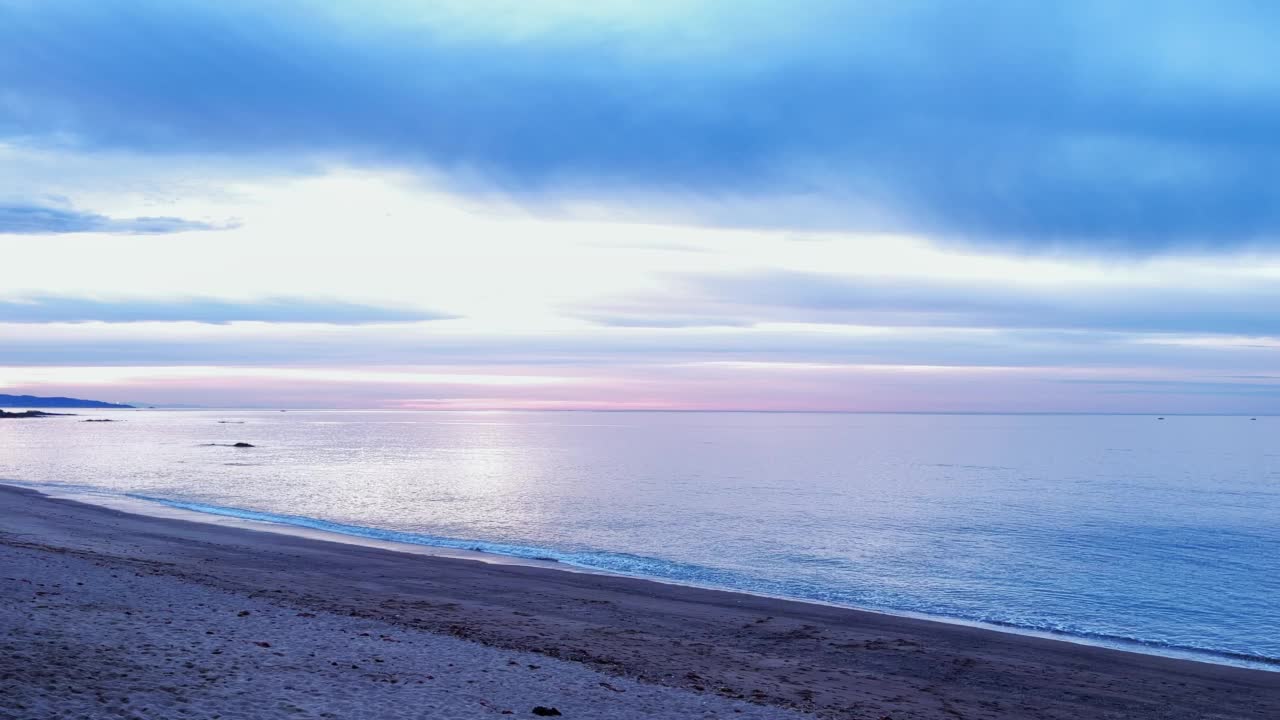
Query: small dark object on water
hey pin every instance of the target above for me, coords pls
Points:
(545, 711)
(98, 420)
(1159, 418)
(242, 444)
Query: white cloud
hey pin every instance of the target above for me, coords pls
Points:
(523, 285)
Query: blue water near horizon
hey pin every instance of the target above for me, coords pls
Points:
(1161, 534)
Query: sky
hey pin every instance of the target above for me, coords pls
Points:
(989, 206)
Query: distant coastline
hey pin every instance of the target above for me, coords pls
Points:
(33, 401)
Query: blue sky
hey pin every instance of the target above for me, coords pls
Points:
(838, 205)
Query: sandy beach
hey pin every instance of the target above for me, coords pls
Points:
(110, 614)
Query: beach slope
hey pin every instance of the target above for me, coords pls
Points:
(106, 613)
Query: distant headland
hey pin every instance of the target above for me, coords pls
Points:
(31, 401)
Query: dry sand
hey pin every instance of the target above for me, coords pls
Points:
(107, 614)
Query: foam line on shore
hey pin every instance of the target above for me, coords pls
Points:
(612, 563)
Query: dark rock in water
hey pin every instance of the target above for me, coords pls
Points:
(29, 414)
(242, 445)
(545, 711)
(98, 420)
(239, 445)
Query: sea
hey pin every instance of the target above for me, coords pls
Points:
(1159, 535)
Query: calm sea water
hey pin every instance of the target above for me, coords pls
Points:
(1164, 533)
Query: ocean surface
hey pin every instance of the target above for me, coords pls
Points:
(1160, 535)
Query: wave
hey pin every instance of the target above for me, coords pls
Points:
(628, 564)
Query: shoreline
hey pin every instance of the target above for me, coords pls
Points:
(826, 660)
(268, 522)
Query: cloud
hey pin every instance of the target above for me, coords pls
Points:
(1242, 308)
(50, 309)
(673, 320)
(371, 366)
(607, 347)
(1090, 125)
(1178, 387)
(44, 220)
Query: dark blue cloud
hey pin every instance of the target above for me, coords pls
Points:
(1199, 387)
(1242, 308)
(44, 220)
(50, 309)
(1090, 125)
(1181, 387)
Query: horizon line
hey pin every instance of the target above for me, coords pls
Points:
(265, 408)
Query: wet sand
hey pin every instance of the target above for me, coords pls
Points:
(161, 594)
